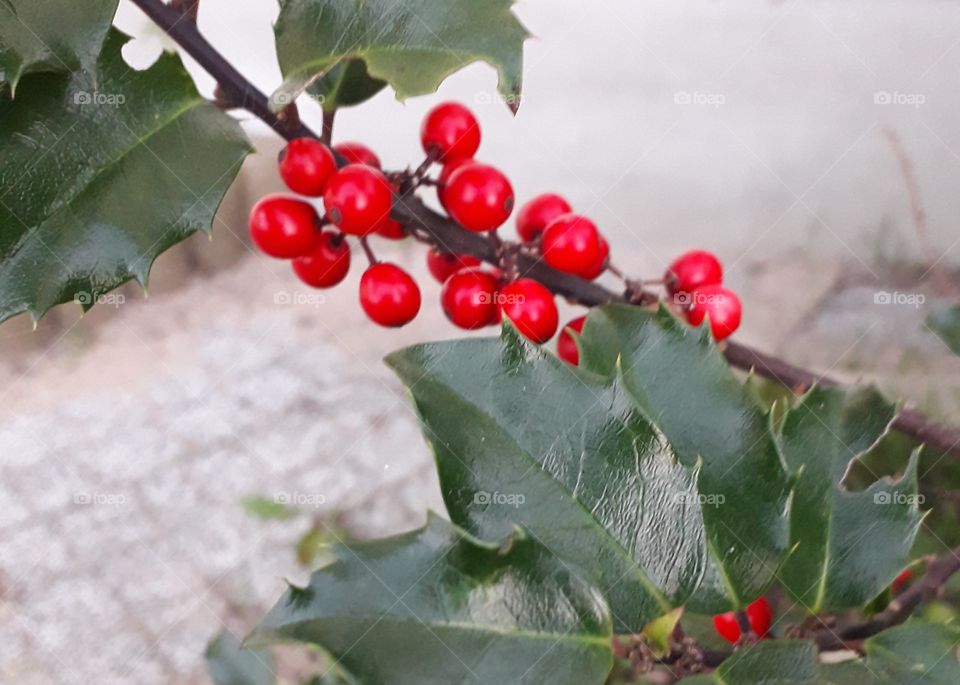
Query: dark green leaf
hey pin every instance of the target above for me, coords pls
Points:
(101, 173)
(916, 654)
(850, 545)
(522, 438)
(945, 323)
(411, 44)
(229, 663)
(435, 606)
(51, 35)
(771, 662)
(682, 384)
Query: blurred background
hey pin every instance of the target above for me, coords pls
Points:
(813, 145)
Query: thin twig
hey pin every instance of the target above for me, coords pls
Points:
(326, 137)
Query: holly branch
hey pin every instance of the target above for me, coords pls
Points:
(236, 92)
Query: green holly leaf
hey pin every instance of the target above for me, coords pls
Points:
(345, 51)
(51, 35)
(521, 438)
(680, 382)
(850, 545)
(229, 663)
(436, 606)
(103, 172)
(780, 662)
(915, 653)
(945, 324)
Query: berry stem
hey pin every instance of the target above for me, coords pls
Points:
(413, 213)
(367, 250)
(326, 137)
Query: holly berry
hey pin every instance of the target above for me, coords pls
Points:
(534, 216)
(358, 153)
(571, 244)
(693, 270)
(478, 197)
(445, 173)
(284, 227)
(358, 199)
(603, 259)
(306, 165)
(450, 131)
(901, 580)
(392, 230)
(327, 264)
(566, 345)
(444, 264)
(469, 298)
(531, 308)
(759, 615)
(722, 306)
(389, 295)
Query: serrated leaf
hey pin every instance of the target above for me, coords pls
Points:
(101, 173)
(945, 323)
(229, 663)
(779, 662)
(436, 606)
(522, 438)
(411, 44)
(850, 545)
(51, 35)
(682, 384)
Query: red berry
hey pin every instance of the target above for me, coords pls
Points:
(600, 265)
(727, 627)
(693, 270)
(306, 165)
(444, 264)
(759, 615)
(284, 227)
(450, 131)
(478, 197)
(566, 345)
(902, 579)
(571, 243)
(392, 230)
(469, 298)
(358, 153)
(358, 199)
(389, 295)
(721, 304)
(531, 308)
(327, 264)
(534, 216)
(445, 175)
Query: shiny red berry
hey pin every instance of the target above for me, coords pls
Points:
(389, 295)
(478, 197)
(327, 264)
(566, 345)
(571, 244)
(306, 165)
(444, 264)
(392, 230)
(358, 199)
(603, 259)
(284, 227)
(534, 216)
(901, 580)
(693, 270)
(727, 626)
(448, 169)
(759, 615)
(531, 308)
(469, 298)
(358, 153)
(721, 304)
(450, 131)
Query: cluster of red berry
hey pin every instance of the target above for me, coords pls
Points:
(759, 616)
(358, 197)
